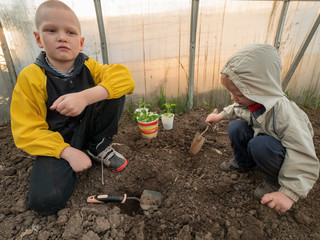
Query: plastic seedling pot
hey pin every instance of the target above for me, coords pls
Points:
(167, 120)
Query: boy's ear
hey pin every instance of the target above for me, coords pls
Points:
(38, 40)
(81, 43)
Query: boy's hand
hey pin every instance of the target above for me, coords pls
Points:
(278, 201)
(71, 104)
(213, 118)
(78, 160)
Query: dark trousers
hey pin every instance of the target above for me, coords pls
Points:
(263, 151)
(52, 180)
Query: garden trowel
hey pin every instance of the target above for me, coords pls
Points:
(198, 139)
(148, 200)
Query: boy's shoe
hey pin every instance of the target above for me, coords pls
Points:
(113, 160)
(263, 189)
(231, 165)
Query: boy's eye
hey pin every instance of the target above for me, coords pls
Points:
(238, 95)
(50, 30)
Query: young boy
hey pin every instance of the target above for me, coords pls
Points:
(62, 104)
(271, 132)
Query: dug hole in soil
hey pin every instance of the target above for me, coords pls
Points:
(199, 201)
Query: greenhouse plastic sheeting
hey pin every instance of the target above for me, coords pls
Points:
(152, 38)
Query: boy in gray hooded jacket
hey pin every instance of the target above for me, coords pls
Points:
(268, 130)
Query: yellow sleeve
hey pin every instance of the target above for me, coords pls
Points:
(116, 78)
(28, 115)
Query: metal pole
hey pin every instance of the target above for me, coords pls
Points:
(193, 33)
(103, 41)
(301, 51)
(281, 23)
(7, 57)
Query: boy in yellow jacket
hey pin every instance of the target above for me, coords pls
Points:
(62, 104)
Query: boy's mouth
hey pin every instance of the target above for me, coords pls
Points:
(63, 48)
(239, 103)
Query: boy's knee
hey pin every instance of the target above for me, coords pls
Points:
(256, 147)
(52, 182)
(238, 127)
(260, 147)
(265, 147)
(47, 203)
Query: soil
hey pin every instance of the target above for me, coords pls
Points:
(199, 201)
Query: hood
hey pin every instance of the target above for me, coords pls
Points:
(256, 71)
(79, 61)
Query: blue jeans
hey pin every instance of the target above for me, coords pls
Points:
(263, 151)
(52, 180)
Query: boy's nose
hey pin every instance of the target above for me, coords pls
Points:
(62, 37)
(233, 98)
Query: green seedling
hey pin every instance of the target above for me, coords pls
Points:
(169, 109)
(143, 104)
(143, 115)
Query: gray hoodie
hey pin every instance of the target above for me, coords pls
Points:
(256, 71)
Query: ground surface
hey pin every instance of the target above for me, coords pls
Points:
(199, 201)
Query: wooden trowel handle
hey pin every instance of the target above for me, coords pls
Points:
(215, 111)
(205, 130)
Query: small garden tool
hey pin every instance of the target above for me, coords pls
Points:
(198, 140)
(148, 200)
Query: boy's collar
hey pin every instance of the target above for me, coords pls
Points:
(79, 61)
(255, 107)
(70, 73)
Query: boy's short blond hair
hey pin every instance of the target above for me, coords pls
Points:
(53, 4)
(225, 81)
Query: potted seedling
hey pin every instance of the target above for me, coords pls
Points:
(148, 122)
(142, 105)
(168, 116)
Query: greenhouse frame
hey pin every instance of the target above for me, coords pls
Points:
(175, 49)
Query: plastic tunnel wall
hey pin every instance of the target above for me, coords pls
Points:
(152, 38)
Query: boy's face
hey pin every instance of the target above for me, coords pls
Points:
(59, 34)
(235, 93)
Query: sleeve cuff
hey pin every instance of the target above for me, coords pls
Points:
(60, 149)
(224, 114)
(289, 193)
